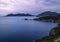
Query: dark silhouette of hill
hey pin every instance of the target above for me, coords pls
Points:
(19, 14)
(48, 16)
(48, 13)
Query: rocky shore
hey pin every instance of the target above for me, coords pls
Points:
(54, 35)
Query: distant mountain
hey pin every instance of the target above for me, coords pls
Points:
(19, 14)
(48, 16)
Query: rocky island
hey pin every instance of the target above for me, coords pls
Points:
(48, 16)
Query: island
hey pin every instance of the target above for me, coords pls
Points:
(19, 14)
(48, 16)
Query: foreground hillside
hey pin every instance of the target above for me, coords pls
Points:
(54, 35)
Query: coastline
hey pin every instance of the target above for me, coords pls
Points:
(54, 35)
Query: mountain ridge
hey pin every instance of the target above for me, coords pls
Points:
(19, 14)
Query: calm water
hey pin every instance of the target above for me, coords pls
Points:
(16, 29)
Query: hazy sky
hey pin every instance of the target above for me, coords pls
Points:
(28, 6)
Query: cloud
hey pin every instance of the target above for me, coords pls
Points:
(29, 6)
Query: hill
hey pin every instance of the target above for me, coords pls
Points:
(48, 13)
(19, 14)
(48, 16)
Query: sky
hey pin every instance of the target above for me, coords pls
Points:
(28, 6)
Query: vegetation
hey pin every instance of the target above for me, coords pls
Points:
(54, 35)
(50, 17)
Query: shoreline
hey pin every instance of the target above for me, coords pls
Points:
(54, 35)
